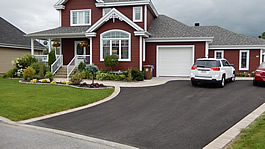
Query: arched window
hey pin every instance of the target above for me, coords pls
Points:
(115, 42)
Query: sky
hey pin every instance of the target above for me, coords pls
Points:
(240, 16)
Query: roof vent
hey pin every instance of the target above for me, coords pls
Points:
(197, 24)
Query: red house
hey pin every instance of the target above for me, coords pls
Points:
(135, 32)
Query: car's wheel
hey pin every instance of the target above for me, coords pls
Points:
(194, 83)
(255, 83)
(233, 78)
(222, 82)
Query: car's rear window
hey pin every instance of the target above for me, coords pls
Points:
(262, 66)
(207, 63)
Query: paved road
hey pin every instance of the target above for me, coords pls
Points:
(18, 137)
(171, 116)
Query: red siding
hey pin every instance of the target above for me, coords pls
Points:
(150, 18)
(151, 51)
(233, 57)
(68, 49)
(134, 63)
(128, 12)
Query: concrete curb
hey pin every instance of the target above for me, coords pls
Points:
(71, 135)
(113, 95)
(228, 136)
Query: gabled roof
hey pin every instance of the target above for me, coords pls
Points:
(226, 37)
(71, 31)
(12, 37)
(164, 27)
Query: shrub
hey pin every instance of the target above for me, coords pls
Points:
(87, 75)
(130, 78)
(68, 83)
(246, 74)
(111, 60)
(23, 62)
(53, 82)
(36, 77)
(49, 76)
(81, 67)
(252, 74)
(28, 73)
(40, 68)
(92, 69)
(137, 75)
(122, 77)
(63, 82)
(76, 79)
(33, 81)
(104, 70)
(44, 81)
(11, 73)
(51, 59)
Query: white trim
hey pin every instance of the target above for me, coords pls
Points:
(145, 17)
(247, 47)
(80, 10)
(20, 46)
(206, 49)
(142, 33)
(129, 45)
(141, 53)
(60, 18)
(50, 42)
(180, 39)
(113, 14)
(91, 50)
(177, 46)
(141, 14)
(32, 46)
(144, 48)
(64, 35)
(222, 53)
(240, 55)
(261, 56)
(76, 43)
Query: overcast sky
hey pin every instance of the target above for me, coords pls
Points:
(241, 16)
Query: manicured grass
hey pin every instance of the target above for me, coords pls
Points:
(252, 137)
(23, 101)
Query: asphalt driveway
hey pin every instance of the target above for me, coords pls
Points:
(171, 116)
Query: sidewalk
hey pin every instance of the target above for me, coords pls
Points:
(153, 82)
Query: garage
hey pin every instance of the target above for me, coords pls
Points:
(174, 60)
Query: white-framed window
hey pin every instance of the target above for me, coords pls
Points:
(137, 14)
(115, 42)
(105, 11)
(244, 60)
(80, 17)
(219, 54)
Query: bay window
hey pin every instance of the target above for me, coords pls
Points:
(115, 42)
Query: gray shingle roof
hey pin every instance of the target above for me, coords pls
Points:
(62, 30)
(14, 37)
(226, 37)
(166, 27)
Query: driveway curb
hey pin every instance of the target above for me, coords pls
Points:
(113, 95)
(228, 136)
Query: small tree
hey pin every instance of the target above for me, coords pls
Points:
(93, 69)
(52, 58)
(263, 35)
(111, 60)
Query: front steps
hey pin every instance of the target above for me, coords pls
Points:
(62, 72)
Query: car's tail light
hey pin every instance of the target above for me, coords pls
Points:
(215, 68)
(193, 67)
(257, 72)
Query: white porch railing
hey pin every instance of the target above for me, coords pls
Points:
(57, 64)
(76, 61)
(42, 58)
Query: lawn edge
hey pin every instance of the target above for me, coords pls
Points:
(227, 137)
(113, 95)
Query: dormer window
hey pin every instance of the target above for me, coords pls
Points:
(137, 14)
(105, 11)
(80, 17)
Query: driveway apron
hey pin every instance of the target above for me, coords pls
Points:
(174, 115)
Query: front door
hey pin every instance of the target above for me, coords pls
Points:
(80, 53)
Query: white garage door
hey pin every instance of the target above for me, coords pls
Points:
(174, 60)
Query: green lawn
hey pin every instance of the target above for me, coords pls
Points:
(252, 137)
(23, 101)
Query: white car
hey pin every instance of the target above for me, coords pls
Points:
(212, 70)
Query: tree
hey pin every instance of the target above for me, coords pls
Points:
(93, 69)
(52, 59)
(263, 35)
(111, 60)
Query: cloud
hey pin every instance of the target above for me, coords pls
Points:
(245, 17)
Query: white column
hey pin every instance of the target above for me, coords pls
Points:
(144, 49)
(61, 47)
(145, 17)
(141, 54)
(50, 42)
(206, 49)
(32, 46)
(91, 49)
(60, 18)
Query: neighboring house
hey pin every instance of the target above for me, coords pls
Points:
(13, 44)
(131, 29)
